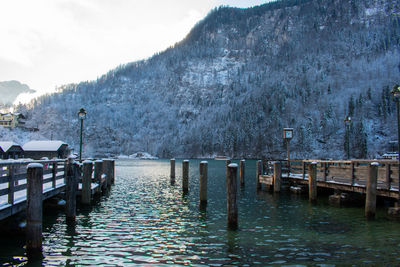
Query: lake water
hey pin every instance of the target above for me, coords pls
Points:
(146, 221)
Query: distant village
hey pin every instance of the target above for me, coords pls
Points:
(33, 149)
(14, 120)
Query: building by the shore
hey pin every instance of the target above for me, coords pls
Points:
(46, 149)
(11, 150)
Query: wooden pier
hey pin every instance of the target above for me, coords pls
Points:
(26, 184)
(13, 182)
(348, 175)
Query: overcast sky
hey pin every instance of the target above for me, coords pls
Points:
(47, 43)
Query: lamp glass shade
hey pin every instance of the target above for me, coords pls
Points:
(82, 114)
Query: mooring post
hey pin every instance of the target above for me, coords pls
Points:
(370, 200)
(277, 176)
(242, 167)
(387, 176)
(72, 175)
(11, 183)
(34, 210)
(203, 182)
(172, 173)
(185, 176)
(107, 166)
(112, 171)
(98, 171)
(227, 162)
(87, 182)
(258, 173)
(231, 189)
(312, 182)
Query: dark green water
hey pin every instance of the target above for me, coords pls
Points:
(144, 220)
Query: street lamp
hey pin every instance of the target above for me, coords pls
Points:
(82, 116)
(347, 123)
(287, 136)
(396, 95)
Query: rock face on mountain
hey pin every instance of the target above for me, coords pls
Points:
(238, 78)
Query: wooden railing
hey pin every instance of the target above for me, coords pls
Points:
(13, 181)
(348, 175)
(13, 177)
(351, 172)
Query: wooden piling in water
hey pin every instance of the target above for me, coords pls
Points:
(312, 182)
(387, 176)
(227, 162)
(112, 171)
(370, 200)
(185, 176)
(108, 170)
(70, 189)
(242, 168)
(231, 189)
(87, 182)
(277, 176)
(203, 182)
(258, 173)
(172, 173)
(98, 171)
(34, 210)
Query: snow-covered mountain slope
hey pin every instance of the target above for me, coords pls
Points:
(238, 78)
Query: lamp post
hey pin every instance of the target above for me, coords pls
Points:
(82, 116)
(396, 95)
(287, 136)
(347, 123)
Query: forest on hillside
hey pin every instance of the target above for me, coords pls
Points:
(239, 78)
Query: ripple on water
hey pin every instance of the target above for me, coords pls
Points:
(146, 221)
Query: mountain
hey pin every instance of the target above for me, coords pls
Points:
(10, 90)
(238, 78)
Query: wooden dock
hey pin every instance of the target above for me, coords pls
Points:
(348, 175)
(13, 182)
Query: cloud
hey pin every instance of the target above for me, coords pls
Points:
(54, 42)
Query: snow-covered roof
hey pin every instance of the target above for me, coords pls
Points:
(6, 145)
(43, 145)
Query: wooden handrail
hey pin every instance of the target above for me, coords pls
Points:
(353, 172)
(14, 174)
(25, 162)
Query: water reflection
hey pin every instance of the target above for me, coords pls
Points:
(144, 220)
(203, 207)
